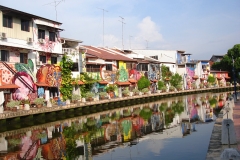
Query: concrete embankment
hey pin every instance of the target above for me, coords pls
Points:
(215, 148)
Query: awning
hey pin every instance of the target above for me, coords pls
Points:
(41, 84)
(132, 80)
(9, 86)
(102, 82)
(123, 83)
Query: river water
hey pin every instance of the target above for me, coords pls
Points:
(172, 128)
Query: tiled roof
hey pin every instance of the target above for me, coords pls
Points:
(102, 82)
(123, 83)
(132, 80)
(107, 54)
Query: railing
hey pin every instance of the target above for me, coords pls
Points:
(70, 51)
(93, 69)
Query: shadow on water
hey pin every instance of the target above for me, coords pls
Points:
(61, 135)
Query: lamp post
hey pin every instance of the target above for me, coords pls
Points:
(234, 78)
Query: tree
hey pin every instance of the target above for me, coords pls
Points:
(165, 72)
(143, 82)
(66, 73)
(226, 64)
(176, 80)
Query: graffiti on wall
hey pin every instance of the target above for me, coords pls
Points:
(50, 75)
(152, 73)
(109, 76)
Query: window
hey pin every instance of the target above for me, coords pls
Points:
(25, 25)
(7, 21)
(43, 59)
(75, 67)
(109, 67)
(142, 67)
(23, 58)
(41, 34)
(4, 55)
(93, 68)
(128, 65)
(154, 57)
(52, 36)
(53, 60)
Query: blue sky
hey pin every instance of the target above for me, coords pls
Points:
(200, 27)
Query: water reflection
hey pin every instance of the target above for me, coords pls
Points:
(91, 135)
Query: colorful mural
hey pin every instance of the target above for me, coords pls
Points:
(50, 75)
(190, 73)
(109, 76)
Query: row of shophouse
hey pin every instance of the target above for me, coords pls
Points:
(31, 49)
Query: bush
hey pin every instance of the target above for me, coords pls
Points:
(175, 80)
(143, 82)
(160, 85)
(171, 88)
(39, 101)
(145, 90)
(211, 79)
(75, 97)
(126, 92)
(135, 91)
(164, 89)
(103, 94)
(89, 95)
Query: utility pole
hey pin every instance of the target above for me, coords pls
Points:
(103, 22)
(147, 43)
(130, 42)
(55, 3)
(234, 78)
(122, 29)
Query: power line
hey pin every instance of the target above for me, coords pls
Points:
(55, 3)
(103, 22)
(122, 29)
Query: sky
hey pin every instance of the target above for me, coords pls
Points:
(200, 27)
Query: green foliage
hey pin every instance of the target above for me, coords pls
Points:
(212, 101)
(76, 97)
(211, 79)
(89, 95)
(111, 88)
(175, 80)
(160, 84)
(145, 90)
(164, 89)
(171, 88)
(135, 91)
(126, 92)
(145, 113)
(165, 72)
(163, 107)
(143, 82)
(71, 148)
(88, 83)
(66, 86)
(104, 94)
(226, 64)
(39, 101)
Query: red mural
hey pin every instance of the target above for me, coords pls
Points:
(50, 75)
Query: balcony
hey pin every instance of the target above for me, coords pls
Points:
(70, 51)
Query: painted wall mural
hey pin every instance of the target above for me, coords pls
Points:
(50, 75)
(190, 73)
(109, 76)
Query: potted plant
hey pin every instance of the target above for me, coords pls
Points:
(201, 85)
(125, 93)
(89, 96)
(110, 90)
(160, 85)
(26, 103)
(179, 87)
(39, 102)
(12, 105)
(171, 88)
(164, 89)
(145, 90)
(103, 95)
(135, 91)
(194, 86)
(75, 98)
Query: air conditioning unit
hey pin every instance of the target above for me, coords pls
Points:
(29, 40)
(3, 35)
(41, 40)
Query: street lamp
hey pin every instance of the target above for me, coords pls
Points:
(234, 78)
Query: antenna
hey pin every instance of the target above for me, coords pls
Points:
(122, 30)
(103, 22)
(55, 3)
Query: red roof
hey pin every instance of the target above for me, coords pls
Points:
(9, 86)
(132, 80)
(123, 83)
(106, 54)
